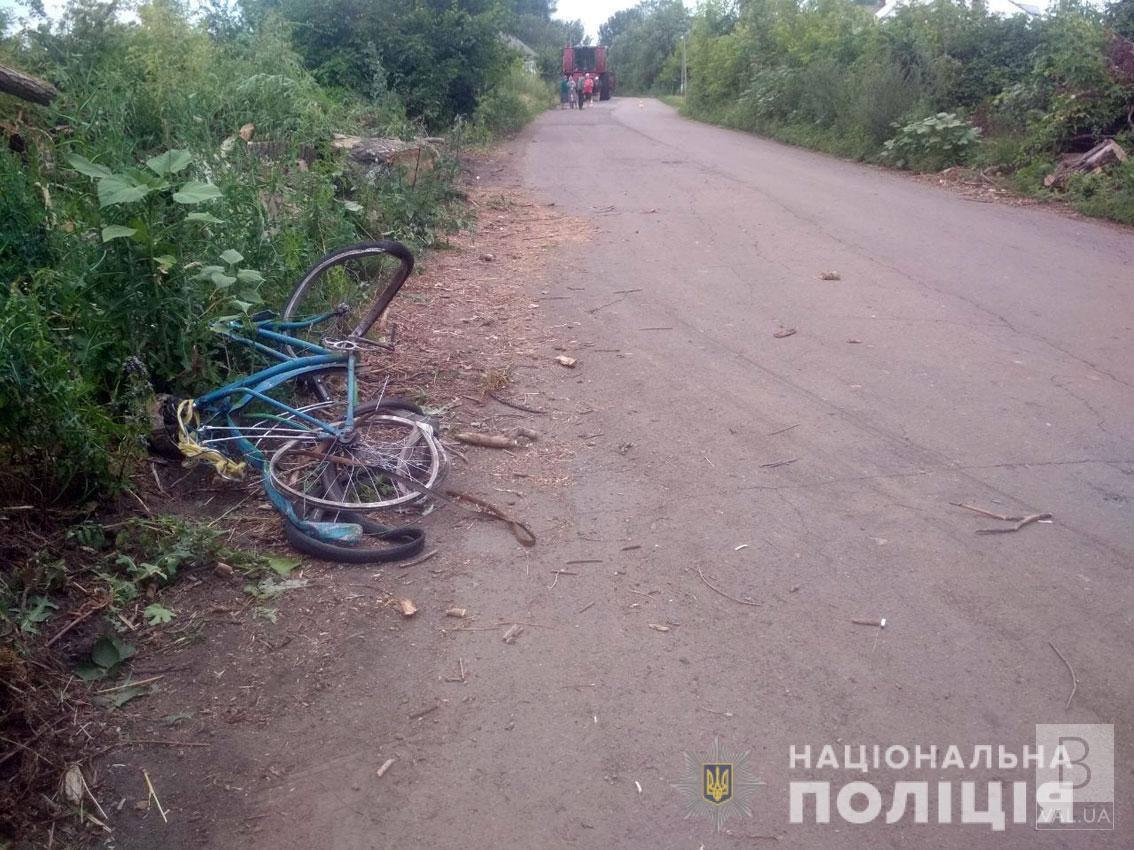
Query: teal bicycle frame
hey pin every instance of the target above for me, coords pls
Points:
(226, 403)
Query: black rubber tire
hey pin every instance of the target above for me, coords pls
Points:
(341, 255)
(405, 542)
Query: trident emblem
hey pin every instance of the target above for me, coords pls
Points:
(718, 783)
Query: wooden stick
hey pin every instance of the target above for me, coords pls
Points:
(1024, 521)
(515, 406)
(153, 794)
(138, 683)
(488, 441)
(778, 463)
(1071, 670)
(722, 593)
(76, 622)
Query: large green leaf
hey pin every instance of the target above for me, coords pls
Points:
(117, 231)
(109, 652)
(169, 162)
(221, 280)
(249, 276)
(232, 256)
(282, 565)
(84, 166)
(157, 614)
(195, 192)
(120, 189)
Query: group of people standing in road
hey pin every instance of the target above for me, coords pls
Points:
(577, 92)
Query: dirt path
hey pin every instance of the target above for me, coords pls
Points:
(725, 501)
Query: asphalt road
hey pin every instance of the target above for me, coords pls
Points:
(994, 366)
(968, 353)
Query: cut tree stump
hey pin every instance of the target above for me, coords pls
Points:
(26, 87)
(1096, 159)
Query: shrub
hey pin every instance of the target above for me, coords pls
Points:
(932, 143)
(513, 102)
(137, 216)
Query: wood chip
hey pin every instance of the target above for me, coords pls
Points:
(385, 766)
(784, 332)
(459, 613)
(830, 276)
(658, 627)
(407, 607)
(564, 360)
(514, 632)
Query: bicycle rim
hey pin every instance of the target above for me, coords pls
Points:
(357, 283)
(386, 462)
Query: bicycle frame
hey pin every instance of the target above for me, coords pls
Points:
(258, 385)
(229, 400)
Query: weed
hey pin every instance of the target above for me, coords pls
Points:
(932, 143)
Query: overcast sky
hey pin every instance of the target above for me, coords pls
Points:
(593, 13)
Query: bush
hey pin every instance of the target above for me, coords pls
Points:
(513, 102)
(826, 74)
(932, 143)
(1109, 194)
(58, 440)
(124, 234)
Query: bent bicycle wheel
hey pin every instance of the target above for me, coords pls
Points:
(356, 283)
(386, 460)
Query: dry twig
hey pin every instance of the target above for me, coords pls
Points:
(153, 794)
(722, 593)
(515, 406)
(1071, 670)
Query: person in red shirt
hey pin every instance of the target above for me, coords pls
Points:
(588, 87)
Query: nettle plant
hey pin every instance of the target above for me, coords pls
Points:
(932, 143)
(145, 195)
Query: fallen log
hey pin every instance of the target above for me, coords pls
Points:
(420, 154)
(1096, 159)
(26, 87)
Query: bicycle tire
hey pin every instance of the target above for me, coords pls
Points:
(303, 302)
(407, 541)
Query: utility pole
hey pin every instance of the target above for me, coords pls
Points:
(684, 67)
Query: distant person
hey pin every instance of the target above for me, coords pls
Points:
(572, 92)
(564, 93)
(588, 88)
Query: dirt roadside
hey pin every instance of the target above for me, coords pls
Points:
(242, 686)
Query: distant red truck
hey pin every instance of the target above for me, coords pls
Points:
(580, 60)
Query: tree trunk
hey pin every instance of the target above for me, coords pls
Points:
(25, 87)
(1098, 157)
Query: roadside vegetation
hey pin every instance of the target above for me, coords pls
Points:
(178, 138)
(186, 172)
(935, 85)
